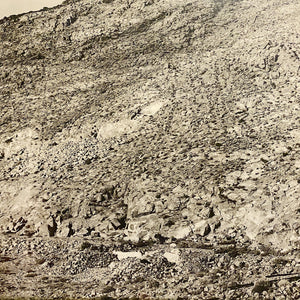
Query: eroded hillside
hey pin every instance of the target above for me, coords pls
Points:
(151, 147)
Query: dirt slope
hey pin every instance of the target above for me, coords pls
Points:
(151, 147)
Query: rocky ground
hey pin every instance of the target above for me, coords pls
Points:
(150, 149)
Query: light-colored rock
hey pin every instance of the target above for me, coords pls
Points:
(126, 126)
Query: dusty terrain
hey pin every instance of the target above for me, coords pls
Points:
(150, 149)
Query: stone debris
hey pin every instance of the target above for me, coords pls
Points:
(150, 149)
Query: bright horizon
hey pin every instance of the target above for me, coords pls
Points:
(14, 7)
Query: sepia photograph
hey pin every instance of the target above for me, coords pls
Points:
(150, 149)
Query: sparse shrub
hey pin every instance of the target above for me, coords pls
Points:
(108, 289)
(85, 245)
(280, 261)
(261, 286)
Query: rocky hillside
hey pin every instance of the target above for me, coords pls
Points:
(150, 148)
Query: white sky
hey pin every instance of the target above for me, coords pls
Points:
(13, 7)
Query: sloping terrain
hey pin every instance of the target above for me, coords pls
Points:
(150, 148)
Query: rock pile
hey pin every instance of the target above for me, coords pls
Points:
(150, 148)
